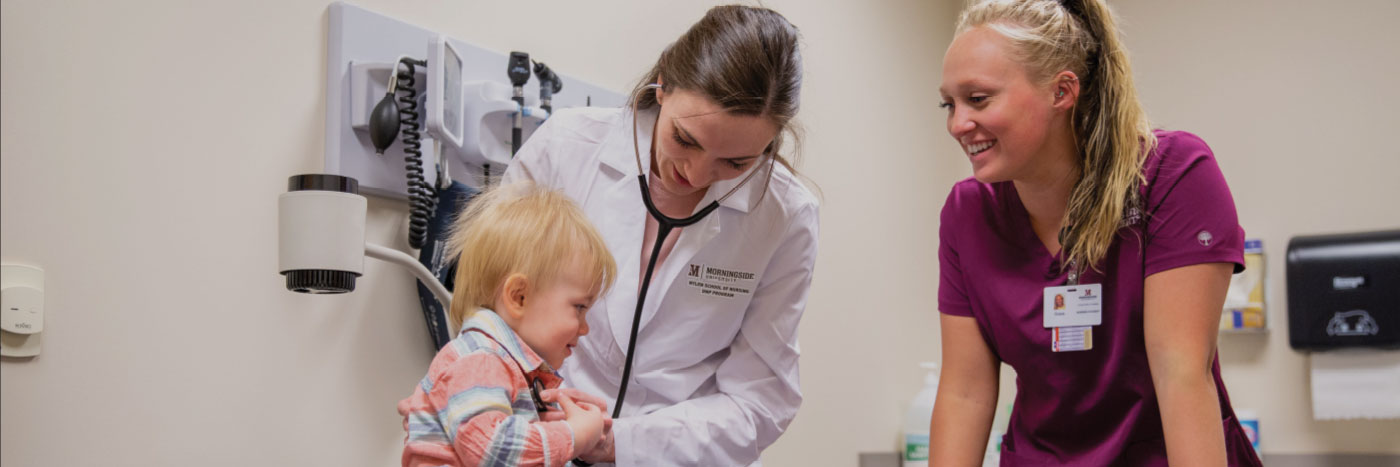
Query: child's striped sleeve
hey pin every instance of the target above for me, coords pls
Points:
(464, 414)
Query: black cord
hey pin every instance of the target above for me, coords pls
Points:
(516, 138)
(664, 225)
(421, 197)
(661, 232)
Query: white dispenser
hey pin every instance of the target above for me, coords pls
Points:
(917, 418)
(22, 312)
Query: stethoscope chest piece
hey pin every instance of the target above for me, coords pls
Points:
(536, 387)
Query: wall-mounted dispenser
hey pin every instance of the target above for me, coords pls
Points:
(22, 315)
(1344, 290)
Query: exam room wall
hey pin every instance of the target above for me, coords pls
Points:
(170, 336)
(145, 143)
(1298, 101)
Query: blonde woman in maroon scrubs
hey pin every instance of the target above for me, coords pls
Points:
(1073, 195)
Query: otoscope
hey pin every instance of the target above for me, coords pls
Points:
(549, 84)
(518, 69)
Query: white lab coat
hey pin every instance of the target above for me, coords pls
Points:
(715, 376)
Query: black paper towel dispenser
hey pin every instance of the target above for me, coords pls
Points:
(1344, 290)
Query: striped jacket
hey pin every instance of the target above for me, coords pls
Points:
(474, 406)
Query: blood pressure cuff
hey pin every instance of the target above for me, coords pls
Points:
(450, 202)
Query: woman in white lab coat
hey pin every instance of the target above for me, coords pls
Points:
(715, 376)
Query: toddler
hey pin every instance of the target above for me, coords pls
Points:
(530, 265)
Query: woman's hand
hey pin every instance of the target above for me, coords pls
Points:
(602, 451)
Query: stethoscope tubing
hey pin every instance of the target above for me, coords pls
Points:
(665, 224)
(664, 227)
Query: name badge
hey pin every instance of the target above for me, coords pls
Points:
(1073, 305)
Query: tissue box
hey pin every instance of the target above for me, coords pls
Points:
(1244, 302)
(1344, 290)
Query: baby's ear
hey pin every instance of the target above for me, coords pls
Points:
(513, 291)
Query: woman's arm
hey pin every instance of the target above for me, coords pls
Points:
(1181, 316)
(967, 395)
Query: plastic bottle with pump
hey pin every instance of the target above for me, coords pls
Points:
(916, 419)
(1000, 422)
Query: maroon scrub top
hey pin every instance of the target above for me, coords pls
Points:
(1093, 407)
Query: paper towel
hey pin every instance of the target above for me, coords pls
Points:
(1356, 383)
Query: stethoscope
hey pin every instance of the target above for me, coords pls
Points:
(665, 224)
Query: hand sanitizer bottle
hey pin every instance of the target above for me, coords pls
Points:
(916, 419)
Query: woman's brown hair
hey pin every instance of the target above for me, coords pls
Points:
(744, 58)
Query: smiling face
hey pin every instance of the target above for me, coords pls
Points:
(1000, 117)
(553, 316)
(698, 143)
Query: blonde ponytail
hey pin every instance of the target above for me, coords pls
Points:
(1110, 126)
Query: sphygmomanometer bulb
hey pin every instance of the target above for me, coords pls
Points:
(384, 123)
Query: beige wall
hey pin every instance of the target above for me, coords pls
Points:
(1299, 101)
(170, 338)
(873, 124)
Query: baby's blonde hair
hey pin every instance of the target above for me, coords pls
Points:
(521, 228)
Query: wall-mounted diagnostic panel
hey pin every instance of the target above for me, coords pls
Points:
(464, 104)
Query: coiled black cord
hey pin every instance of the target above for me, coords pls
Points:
(422, 199)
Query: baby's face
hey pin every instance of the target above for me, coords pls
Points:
(554, 315)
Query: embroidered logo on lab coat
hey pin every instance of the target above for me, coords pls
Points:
(720, 282)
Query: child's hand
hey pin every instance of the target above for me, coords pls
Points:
(579, 397)
(586, 421)
(582, 399)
